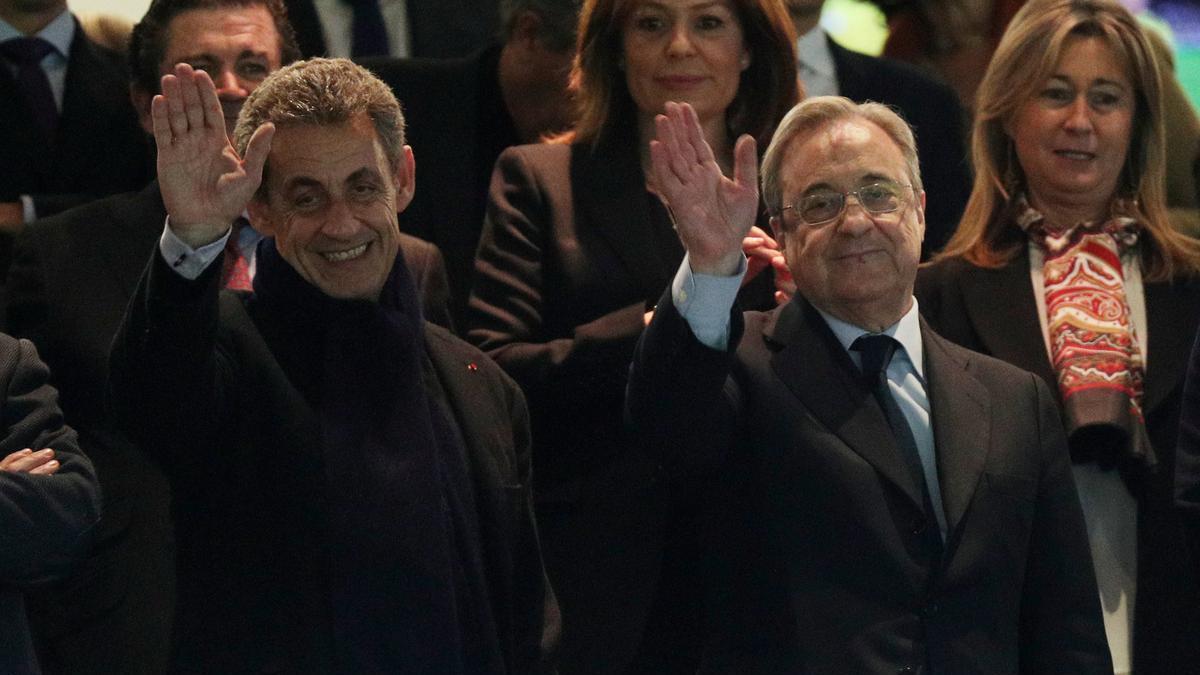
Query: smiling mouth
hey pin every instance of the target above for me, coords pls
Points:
(348, 254)
(1078, 155)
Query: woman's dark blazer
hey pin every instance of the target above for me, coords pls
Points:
(993, 311)
(574, 252)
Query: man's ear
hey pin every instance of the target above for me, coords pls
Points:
(141, 103)
(921, 212)
(405, 176)
(260, 216)
(777, 230)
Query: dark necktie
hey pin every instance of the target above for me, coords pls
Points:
(369, 34)
(877, 352)
(26, 53)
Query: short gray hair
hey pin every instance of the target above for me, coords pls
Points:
(818, 112)
(323, 92)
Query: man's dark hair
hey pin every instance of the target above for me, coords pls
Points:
(148, 42)
(559, 20)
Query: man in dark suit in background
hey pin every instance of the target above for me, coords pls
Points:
(72, 278)
(465, 112)
(68, 133)
(49, 499)
(896, 503)
(352, 484)
(437, 29)
(928, 105)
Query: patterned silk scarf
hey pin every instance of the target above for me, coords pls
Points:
(1093, 342)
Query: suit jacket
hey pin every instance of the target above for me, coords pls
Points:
(99, 148)
(574, 251)
(438, 28)
(46, 522)
(196, 381)
(71, 281)
(456, 139)
(993, 311)
(932, 109)
(823, 525)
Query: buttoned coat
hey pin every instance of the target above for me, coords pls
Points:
(820, 529)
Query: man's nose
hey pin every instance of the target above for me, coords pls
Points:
(229, 86)
(340, 219)
(855, 219)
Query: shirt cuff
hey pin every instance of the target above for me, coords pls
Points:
(28, 209)
(188, 262)
(704, 301)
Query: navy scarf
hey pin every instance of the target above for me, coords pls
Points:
(407, 585)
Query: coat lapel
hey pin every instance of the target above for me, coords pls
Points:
(1172, 311)
(1000, 303)
(960, 410)
(815, 367)
(609, 184)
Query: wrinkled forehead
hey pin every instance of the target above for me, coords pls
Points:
(841, 155)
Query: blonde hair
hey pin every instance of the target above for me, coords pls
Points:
(1026, 57)
(816, 113)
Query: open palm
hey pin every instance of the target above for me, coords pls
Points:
(205, 184)
(712, 212)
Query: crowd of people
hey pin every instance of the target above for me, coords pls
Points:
(595, 336)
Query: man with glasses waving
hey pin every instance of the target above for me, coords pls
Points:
(888, 502)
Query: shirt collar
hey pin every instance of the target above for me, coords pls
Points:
(906, 331)
(59, 32)
(812, 50)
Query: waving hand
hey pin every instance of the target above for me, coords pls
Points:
(713, 213)
(205, 184)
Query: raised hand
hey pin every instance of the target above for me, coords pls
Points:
(712, 213)
(205, 184)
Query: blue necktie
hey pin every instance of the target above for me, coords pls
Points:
(26, 53)
(369, 32)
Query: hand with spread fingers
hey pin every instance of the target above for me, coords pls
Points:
(27, 461)
(713, 213)
(205, 184)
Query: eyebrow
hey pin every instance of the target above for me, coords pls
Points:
(1100, 80)
(863, 180)
(209, 56)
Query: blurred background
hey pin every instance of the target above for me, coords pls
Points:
(859, 25)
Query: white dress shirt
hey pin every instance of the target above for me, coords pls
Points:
(814, 62)
(190, 262)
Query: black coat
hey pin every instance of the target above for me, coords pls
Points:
(818, 527)
(46, 522)
(99, 148)
(71, 280)
(195, 379)
(993, 311)
(439, 28)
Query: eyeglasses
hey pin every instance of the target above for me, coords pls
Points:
(877, 199)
